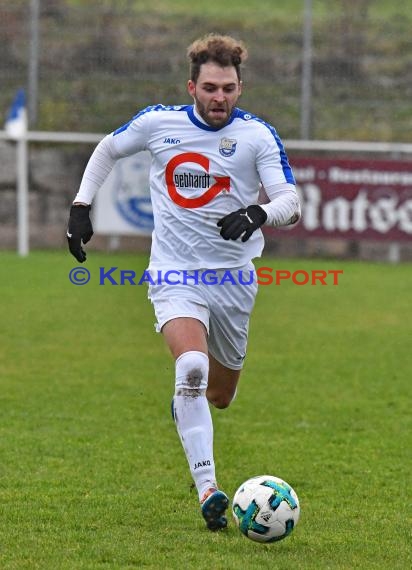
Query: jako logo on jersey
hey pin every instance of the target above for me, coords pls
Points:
(221, 182)
(227, 147)
(171, 141)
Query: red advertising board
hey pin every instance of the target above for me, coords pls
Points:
(354, 199)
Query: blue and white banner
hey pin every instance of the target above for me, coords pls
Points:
(122, 205)
(16, 119)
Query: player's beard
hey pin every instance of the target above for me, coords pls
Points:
(214, 115)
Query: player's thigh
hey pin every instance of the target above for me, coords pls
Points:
(182, 317)
(222, 383)
(183, 334)
(230, 310)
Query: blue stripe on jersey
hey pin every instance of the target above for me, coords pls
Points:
(287, 171)
(148, 110)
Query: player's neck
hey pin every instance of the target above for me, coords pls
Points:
(198, 116)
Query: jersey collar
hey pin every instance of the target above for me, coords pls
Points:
(194, 117)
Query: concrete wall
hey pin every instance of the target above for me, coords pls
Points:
(54, 176)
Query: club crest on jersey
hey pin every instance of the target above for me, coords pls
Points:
(227, 147)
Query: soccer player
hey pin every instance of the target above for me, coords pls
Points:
(209, 161)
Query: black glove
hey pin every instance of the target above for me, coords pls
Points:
(244, 221)
(79, 229)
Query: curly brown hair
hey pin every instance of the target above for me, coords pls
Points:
(223, 50)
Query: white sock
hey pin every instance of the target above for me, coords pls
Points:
(193, 418)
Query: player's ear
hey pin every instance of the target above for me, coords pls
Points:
(240, 87)
(191, 87)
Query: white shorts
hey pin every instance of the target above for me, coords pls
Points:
(224, 308)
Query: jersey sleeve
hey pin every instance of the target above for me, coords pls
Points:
(127, 140)
(133, 136)
(284, 206)
(271, 160)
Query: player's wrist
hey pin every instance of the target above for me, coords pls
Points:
(258, 214)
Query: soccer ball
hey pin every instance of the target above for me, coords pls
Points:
(266, 508)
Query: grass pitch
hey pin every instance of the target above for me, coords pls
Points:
(92, 475)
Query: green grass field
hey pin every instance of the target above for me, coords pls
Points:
(92, 475)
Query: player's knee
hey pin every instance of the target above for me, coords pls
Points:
(192, 369)
(221, 403)
(220, 400)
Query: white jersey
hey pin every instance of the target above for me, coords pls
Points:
(198, 175)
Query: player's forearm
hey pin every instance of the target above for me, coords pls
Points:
(97, 170)
(284, 206)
